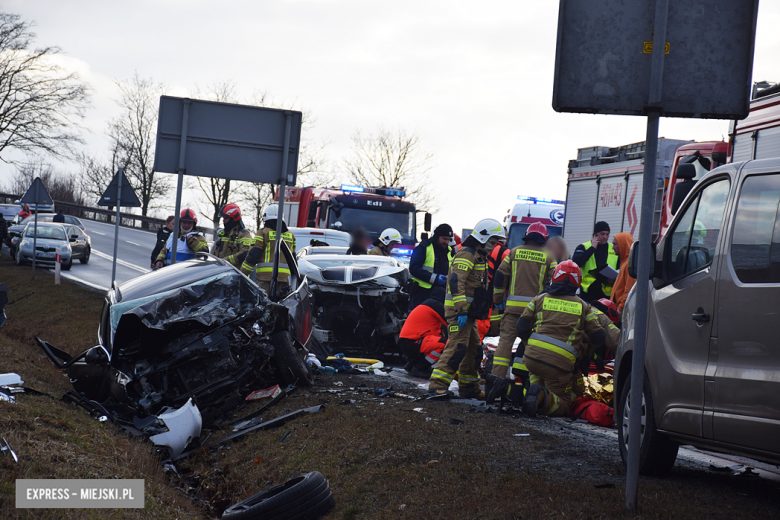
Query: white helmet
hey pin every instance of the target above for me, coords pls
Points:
(390, 235)
(488, 228)
(271, 212)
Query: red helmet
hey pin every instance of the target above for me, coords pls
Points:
(537, 227)
(568, 272)
(188, 215)
(609, 308)
(231, 212)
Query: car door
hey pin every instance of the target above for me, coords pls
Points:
(747, 377)
(76, 247)
(682, 302)
(299, 301)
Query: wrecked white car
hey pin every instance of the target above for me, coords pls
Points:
(359, 301)
(196, 336)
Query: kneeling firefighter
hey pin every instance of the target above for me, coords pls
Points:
(553, 327)
(261, 254)
(234, 239)
(189, 241)
(467, 301)
(423, 337)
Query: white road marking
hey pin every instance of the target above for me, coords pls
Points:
(83, 282)
(139, 245)
(121, 262)
(98, 233)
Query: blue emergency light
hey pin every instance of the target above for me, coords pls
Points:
(347, 187)
(540, 199)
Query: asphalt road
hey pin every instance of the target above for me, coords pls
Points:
(133, 255)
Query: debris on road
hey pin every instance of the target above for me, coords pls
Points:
(6, 449)
(262, 394)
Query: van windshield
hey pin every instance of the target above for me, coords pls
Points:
(517, 232)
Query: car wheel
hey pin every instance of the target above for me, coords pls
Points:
(656, 452)
(67, 266)
(292, 369)
(306, 496)
(85, 260)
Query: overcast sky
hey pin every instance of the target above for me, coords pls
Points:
(473, 79)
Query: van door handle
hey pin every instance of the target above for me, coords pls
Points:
(700, 316)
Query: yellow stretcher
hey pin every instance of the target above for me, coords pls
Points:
(357, 361)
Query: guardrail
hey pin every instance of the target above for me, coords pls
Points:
(107, 215)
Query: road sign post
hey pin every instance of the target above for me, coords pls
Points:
(228, 141)
(114, 196)
(601, 68)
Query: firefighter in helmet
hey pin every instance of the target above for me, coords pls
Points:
(260, 256)
(189, 241)
(234, 238)
(389, 238)
(467, 301)
(522, 274)
(553, 327)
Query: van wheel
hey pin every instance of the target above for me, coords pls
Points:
(292, 369)
(656, 452)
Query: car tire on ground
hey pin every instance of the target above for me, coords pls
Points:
(67, 266)
(288, 362)
(85, 260)
(302, 497)
(657, 452)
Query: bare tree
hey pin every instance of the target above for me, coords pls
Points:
(40, 101)
(133, 138)
(392, 158)
(95, 174)
(61, 187)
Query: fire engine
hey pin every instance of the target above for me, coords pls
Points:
(758, 135)
(549, 212)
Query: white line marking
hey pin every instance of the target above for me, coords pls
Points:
(139, 245)
(83, 282)
(98, 233)
(121, 262)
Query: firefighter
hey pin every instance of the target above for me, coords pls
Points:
(552, 327)
(523, 274)
(494, 262)
(423, 336)
(592, 257)
(609, 318)
(234, 239)
(261, 255)
(467, 301)
(430, 264)
(389, 238)
(189, 241)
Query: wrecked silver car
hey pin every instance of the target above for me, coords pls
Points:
(196, 333)
(359, 301)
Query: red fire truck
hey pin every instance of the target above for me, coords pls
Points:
(351, 207)
(758, 135)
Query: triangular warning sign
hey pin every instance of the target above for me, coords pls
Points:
(129, 198)
(44, 199)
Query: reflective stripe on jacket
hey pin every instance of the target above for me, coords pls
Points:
(587, 278)
(231, 244)
(523, 274)
(186, 246)
(265, 241)
(468, 271)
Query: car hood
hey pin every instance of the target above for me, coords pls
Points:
(48, 242)
(361, 273)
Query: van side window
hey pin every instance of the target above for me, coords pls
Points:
(695, 236)
(755, 244)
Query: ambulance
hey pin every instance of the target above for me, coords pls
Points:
(528, 210)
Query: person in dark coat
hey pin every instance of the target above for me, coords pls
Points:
(59, 217)
(430, 264)
(358, 243)
(162, 238)
(3, 230)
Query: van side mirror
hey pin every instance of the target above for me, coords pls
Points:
(427, 225)
(681, 190)
(633, 260)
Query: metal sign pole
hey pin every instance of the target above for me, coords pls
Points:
(35, 236)
(645, 252)
(282, 186)
(120, 178)
(185, 117)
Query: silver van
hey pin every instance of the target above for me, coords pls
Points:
(712, 368)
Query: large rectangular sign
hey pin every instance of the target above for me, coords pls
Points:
(604, 49)
(227, 141)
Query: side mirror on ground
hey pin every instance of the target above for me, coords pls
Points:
(427, 225)
(633, 260)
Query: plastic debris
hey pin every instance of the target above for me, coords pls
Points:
(284, 437)
(262, 394)
(10, 379)
(418, 410)
(522, 435)
(183, 426)
(6, 449)
(312, 360)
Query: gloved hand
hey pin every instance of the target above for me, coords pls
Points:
(441, 280)
(499, 306)
(462, 321)
(158, 264)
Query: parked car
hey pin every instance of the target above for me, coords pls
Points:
(305, 236)
(49, 237)
(712, 367)
(359, 301)
(9, 212)
(196, 330)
